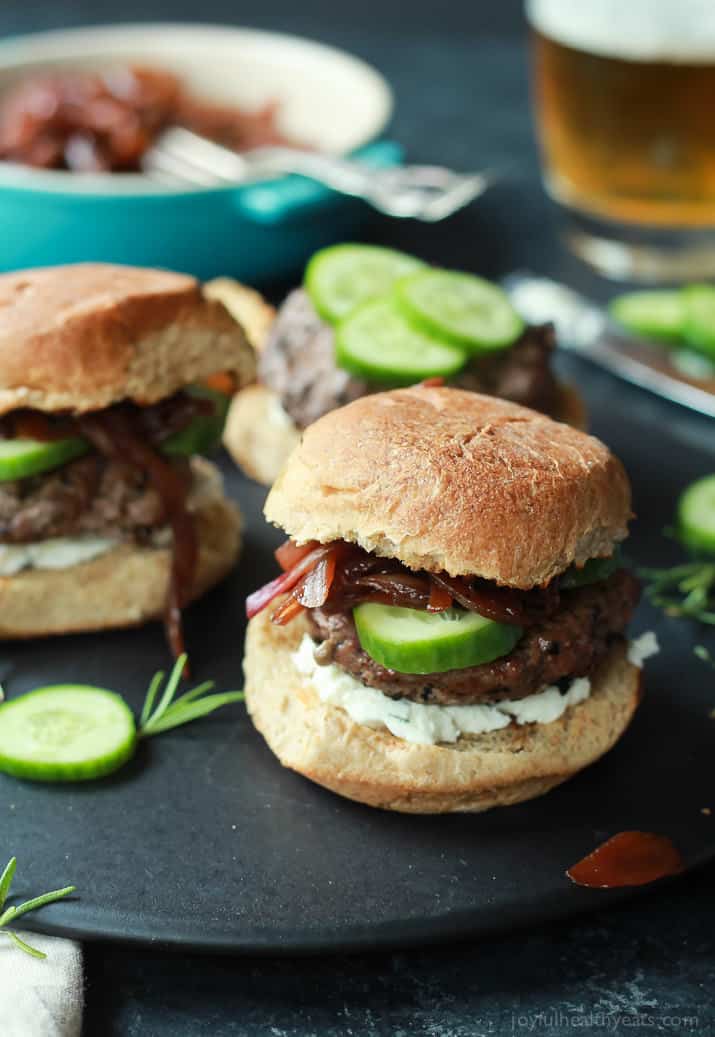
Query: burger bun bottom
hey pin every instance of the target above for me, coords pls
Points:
(516, 763)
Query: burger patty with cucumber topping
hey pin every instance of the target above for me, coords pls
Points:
(298, 364)
(96, 492)
(528, 639)
(569, 643)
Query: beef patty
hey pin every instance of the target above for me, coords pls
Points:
(89, 495)
(92, 494)
(298, 364)
(568, 644)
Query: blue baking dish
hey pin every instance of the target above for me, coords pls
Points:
(255, 232)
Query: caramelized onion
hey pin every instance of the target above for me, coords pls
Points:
(339, 576)
(289, 554)
(316, 584)
(257, 601)
(439, 598)
(498, 603)
(113, 433)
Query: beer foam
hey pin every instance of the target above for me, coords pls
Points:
(673, 31)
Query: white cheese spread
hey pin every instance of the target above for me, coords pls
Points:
(55, 553)
(642, 648)
(428, 725)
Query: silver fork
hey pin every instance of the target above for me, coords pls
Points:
(180, 158)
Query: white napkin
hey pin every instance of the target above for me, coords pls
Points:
(41, 998)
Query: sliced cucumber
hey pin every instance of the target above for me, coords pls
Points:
(699, 327)
(696, 515)
(65, 732)
(595, 570)
(20, 458)
(459, 308)
(203, 434)
(342, 277)
(377, 343)
(411, 641)
(658, 315)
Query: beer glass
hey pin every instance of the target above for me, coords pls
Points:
(624, 95)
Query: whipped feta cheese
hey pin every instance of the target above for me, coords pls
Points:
(642, 648)
(424, 724)
(55, 553)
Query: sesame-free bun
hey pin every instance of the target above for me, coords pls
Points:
(515, 763)
(260, 435)
(81, 337)
(246, 305)
(448, 480)
(128, 585)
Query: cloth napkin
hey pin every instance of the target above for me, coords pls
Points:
(41, 998)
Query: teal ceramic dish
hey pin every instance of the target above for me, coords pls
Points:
(256, 232)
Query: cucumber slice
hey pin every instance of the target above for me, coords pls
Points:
(699, 327)
(658, 315)
(411, 641)
(203, 434)
(20, 458)
(377, 343)
(65, 732)
(342, 277)
(595, 570)
(696, 515)
(459, 308)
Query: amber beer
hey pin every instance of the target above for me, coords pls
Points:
(625, 103)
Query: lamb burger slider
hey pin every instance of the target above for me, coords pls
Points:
(369, 318)
(449, 630)
(108, 515)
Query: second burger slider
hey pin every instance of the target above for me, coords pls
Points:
(108, 516)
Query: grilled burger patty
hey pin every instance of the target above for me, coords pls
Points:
(568, 644)
(298, 364)
(89, 495)
(93, 494)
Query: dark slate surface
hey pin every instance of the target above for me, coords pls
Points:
(461, 87)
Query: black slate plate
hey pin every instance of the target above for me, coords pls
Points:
(204, 841)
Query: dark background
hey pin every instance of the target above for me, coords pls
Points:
(460, 76)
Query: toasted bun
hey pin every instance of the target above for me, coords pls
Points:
(476, 773)
(445, 479)
(245, 305)
(260, 435)
(125, 587)
(82, 337)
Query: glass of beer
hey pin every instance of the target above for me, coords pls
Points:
(624, 93)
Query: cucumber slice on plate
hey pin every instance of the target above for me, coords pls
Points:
(65, 732)
(411, 641)
(459, 308)
(696, 515)
(377, 343)
(20, 458)
(658, 315)
(699, 327)
(342, 277)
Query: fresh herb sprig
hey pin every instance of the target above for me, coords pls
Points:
(170, 713)
(11, 913)
(684, 591)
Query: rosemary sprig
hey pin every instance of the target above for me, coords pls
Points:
(684, 590)
(11, 913)
(189, 706)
